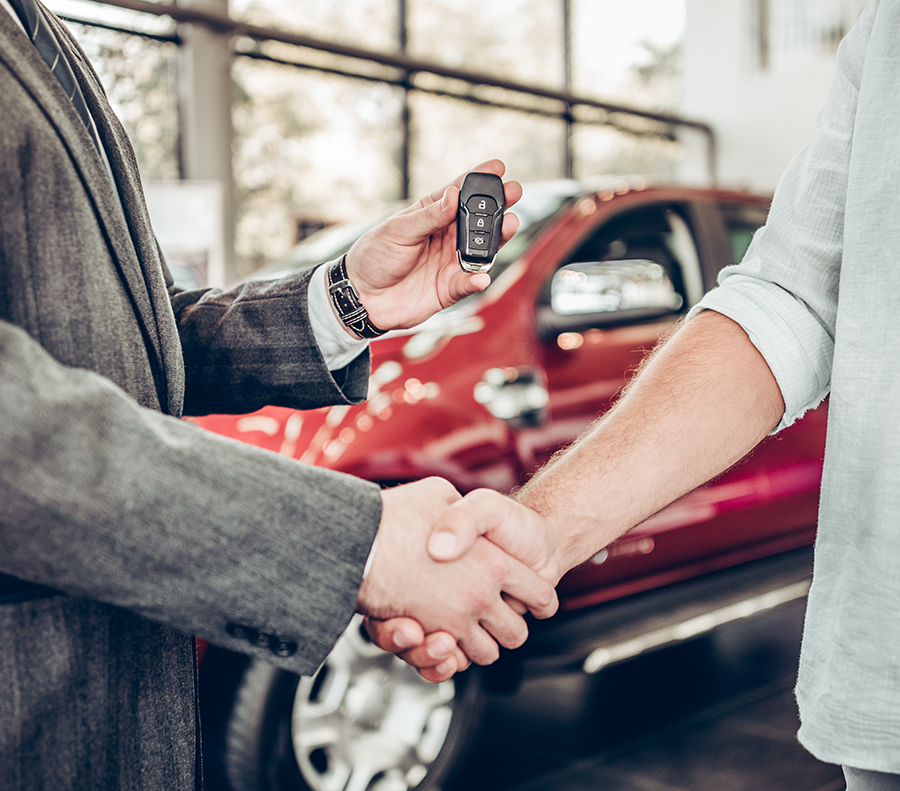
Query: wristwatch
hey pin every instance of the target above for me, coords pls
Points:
(346, 301)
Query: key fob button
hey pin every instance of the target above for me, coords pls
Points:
(479, 222)
(481, 204)
(478, 243)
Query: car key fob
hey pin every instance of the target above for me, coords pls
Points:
(478, 221)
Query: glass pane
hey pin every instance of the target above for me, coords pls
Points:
(793, 33)
(104, 14)
(741, 222)
(521, 40)
(309, 148)
(139, 76)
(602, 150)
(451, 136)
(369, 24)
(628, 52)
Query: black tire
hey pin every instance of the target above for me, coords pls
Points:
(380, 726)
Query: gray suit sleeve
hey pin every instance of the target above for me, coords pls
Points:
(104, 499)
(253, 346)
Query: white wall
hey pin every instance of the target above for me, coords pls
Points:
(762, 118)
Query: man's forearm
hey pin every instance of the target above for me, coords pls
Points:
(701, 402)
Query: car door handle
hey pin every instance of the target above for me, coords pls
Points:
(517, 395)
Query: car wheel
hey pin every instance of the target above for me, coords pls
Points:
(365, 722)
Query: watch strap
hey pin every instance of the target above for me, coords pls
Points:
(346, 301)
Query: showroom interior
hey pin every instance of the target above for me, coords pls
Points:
(271, 134)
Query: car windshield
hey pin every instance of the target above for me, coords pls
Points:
(538, 205)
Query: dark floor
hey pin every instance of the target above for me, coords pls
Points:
(717, 714)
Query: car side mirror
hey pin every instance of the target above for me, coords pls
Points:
(604, 293)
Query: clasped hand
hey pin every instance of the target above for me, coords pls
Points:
(489, 560)
(477, 600)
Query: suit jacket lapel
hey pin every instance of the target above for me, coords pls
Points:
(25, 62)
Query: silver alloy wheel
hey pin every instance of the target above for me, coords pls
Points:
(367, 721)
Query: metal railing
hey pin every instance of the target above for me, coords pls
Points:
(413, 74)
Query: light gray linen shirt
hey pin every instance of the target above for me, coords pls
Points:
(819, 295)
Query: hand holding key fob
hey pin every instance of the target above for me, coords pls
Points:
(478, 221)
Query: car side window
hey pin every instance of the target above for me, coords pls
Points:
(741, 222)
(641, 265)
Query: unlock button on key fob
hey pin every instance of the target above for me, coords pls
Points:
(479, 204)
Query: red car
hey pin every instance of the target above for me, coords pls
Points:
(483, 394)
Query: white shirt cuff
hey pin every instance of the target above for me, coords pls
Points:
(371, 557)
(337, 346)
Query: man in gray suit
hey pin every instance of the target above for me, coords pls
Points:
(124, 529)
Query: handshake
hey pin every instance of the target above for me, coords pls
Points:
(451, 577)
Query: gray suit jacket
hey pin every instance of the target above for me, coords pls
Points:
(150, 528)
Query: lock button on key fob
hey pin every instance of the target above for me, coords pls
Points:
(478, 222)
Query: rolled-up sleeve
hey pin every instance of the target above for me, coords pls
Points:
(785, 292)
(796, 347)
